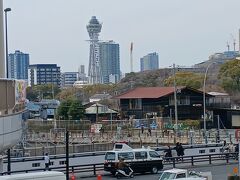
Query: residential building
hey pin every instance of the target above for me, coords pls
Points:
(40, 74)
(159, 101)
(18, 64)
(69, 78)
(98, 112)
(110, 61)
(81, 74)
(99, 97)
(149, 62)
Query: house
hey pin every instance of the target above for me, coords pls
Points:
(160, 101)
(97, 112)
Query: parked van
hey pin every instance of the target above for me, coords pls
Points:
(141, 160)
(47, 175)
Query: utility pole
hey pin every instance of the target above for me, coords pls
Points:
(67, 155)
(218, 133)
(175, 97)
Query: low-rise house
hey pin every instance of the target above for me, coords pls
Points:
(160, 101)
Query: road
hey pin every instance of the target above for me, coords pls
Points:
(219, 172)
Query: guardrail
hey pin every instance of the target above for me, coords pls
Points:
(173, 161)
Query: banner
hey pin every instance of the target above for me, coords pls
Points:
(20, 91)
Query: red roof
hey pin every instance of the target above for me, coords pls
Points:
(147, 92)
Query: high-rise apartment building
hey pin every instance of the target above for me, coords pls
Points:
(149, 62)
(40, 74)
(18, 64)
(110, 61)
(69, 78)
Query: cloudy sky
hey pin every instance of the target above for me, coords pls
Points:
(183, 32)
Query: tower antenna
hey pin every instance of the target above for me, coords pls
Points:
(131, 56)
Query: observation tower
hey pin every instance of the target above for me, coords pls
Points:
(94, 69)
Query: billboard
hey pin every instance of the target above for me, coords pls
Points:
(20, 91)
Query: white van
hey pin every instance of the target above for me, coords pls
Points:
(47, 175)
(141, 160)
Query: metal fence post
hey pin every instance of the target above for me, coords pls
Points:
(192, 161)
(174, 165)
(227, 158)
(210, 159)
(94, 170)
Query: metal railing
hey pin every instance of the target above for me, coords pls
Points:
(92, 169)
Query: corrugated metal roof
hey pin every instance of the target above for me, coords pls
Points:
(102, 109)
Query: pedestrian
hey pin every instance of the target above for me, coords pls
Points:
(181, 150)
(150, 131)
(168, 153)
(47, 161)
(177, 148)
(142, 128)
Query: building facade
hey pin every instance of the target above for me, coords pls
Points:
(160, 101)
(69, 78)
(149, 62)
(40, 74)
(110, 61)
(18, 63)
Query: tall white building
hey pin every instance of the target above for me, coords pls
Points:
(149, 62)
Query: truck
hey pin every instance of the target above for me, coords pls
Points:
(185, 174)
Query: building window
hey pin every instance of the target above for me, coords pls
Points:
(141, 155)
(135, 103)
(181, 100)
(201, 151)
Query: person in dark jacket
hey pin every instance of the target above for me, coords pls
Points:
(181, 150)
(168, 153)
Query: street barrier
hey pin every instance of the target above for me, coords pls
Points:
(223, 158)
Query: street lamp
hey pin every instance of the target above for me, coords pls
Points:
(204, 101)
(6, 38)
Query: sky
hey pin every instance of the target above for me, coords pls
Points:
(184, 32)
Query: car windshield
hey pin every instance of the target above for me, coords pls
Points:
(167, 175)
(110, 156)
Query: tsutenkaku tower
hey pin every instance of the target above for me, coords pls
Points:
(94, 68)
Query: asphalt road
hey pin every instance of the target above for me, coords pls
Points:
(219, 172)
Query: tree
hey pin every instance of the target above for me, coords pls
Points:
(76, 110)
(63, 109)
(71, 108)
(190, 79)
(38, 92)
(229, 75)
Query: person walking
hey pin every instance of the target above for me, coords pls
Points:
(168, 153)
(142, 128)
(150, 131)
(181, 150)
(47, 161)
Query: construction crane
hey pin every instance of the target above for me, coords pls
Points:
(228, 46)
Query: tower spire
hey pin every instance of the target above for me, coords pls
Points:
(94, 69)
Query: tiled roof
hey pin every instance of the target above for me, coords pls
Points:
(147, 92)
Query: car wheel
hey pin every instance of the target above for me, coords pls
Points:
(154, 170)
